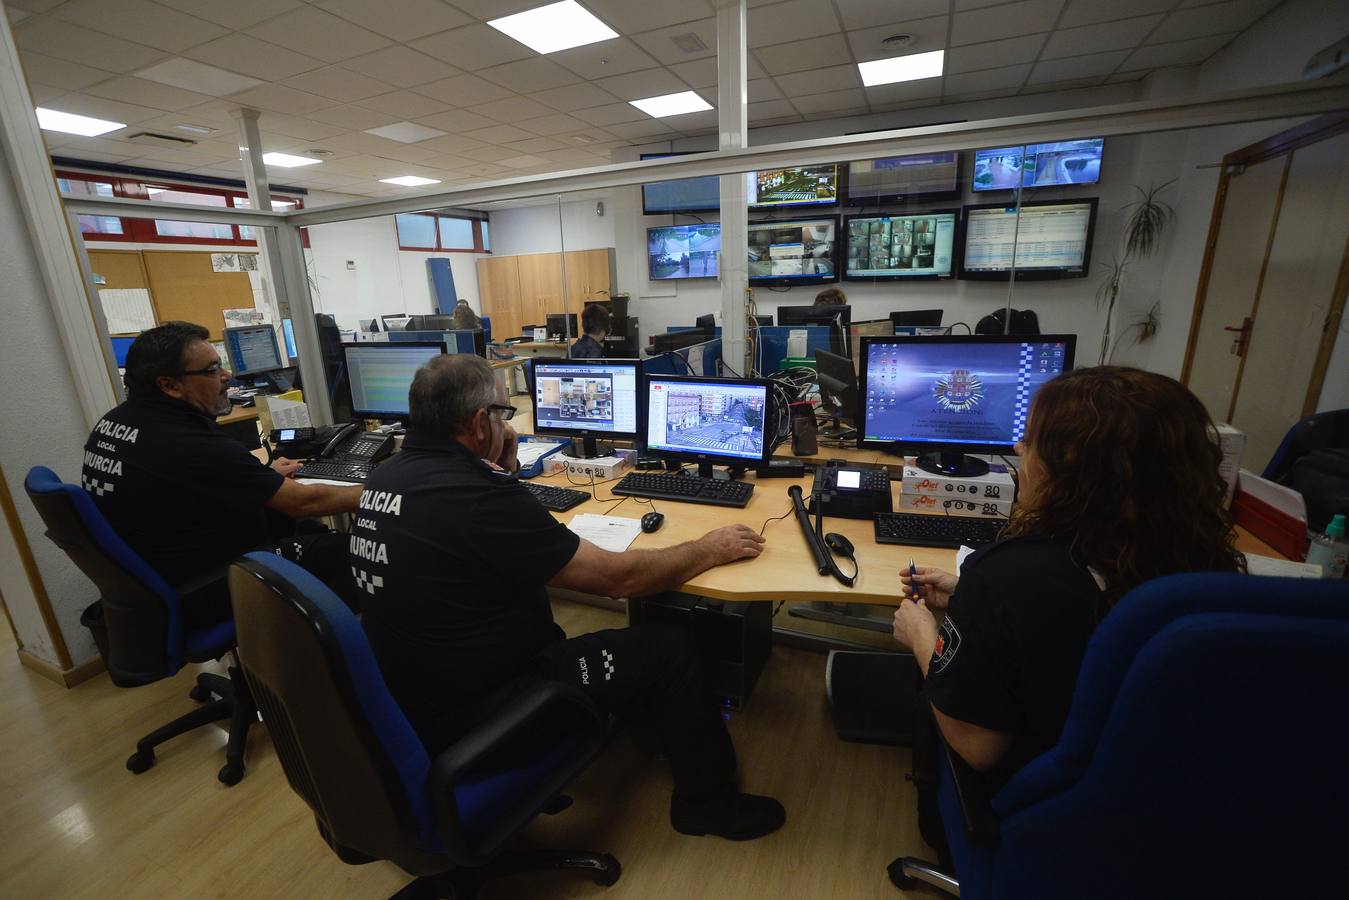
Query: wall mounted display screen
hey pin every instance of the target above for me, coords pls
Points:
(683, 251)
(896, 178)
(1052, 240)
(807, 186)
(680, 195)
(1038, 165)
(797, 252)
(912, 246)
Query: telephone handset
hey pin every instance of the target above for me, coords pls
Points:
(361, 447)
(304, 443)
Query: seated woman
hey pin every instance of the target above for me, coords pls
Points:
(1118, 484)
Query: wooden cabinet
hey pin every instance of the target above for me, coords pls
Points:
(540, 286)
(516, 291)
(499, 294)
(589, 277)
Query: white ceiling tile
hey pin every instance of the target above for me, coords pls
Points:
(794, 20)
(819, 81)
(45, 94)
(660, 43)
(1125, 77)
(1122, 35)
(401, 20)
(1089, 12)
(141, 21)
(59, 72)
(903, 92)
(835, 103)
(279, 98)
(1220, 18)
(770, 109)
(498, 134)
(404, 104)
(186, 157)
(111, 110)
(1180, 53)
(647, 129)
(557, 123)
(1004, 78)
(406, 132)
(574, 96)
(66, 40)
(1056, 86)
(400, 66)
(511, 109)
(632, 16)
(147, 93)
(526, 76)
(375, 149)
(250, 56)
(762, 89)
(494, 9)
(573, 157)
(465, 90)
(640, 85)
(487, 153)
(611, 114)
(866, 13)
(1026, 17)
(191, 75)
(317, 33)
(236, 13)
(693, 122)
(1095, 65)
(536, 145)
(699, 73)
(451, 144)
(353, 118)
(215, 114)
(798, 56)
(928, 34)
(603, 58)
(994, 54)
(473, 47)
(523, 161)
(459, 121)
(337, 83)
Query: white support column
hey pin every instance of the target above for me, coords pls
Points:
(732, 127)
(260, 197)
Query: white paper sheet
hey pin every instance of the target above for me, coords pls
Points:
(796, 342)
(287, 413)
(529, 452)
(961, 555)
(695, 357)
(1281, 568)
(324, 481)
(127, 310)
(613, 533)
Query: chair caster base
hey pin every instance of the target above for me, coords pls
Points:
(199, 693)
(232, 773)
(907, 872)
(140, 761)
(899, 878)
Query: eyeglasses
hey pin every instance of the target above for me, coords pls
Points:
(507, 412)
(213, 370)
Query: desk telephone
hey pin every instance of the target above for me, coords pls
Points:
(341, 452)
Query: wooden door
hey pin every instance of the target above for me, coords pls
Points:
(540, 286)
(499, 294)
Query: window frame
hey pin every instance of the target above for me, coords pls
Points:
(478, 245)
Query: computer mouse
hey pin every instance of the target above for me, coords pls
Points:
(652, 521)
(839, 544)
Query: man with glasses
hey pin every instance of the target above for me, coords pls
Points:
(454, 557)
(186, 496)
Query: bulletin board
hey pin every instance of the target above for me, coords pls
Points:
(186, 288)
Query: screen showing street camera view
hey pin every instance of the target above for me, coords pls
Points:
(792, 251)
(793, 187)
(706, 418)
(901, 246)
(683, 251)
(1040, 165)
(569, 397)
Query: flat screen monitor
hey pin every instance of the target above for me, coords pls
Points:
(252, 349)
(1051, 240)
(949, 395)
(922, 318)
(120, 345)
(1038, 165)
(395, 323)
(562, 325)
(804, 186)
(814, 315)
(896, 179)
(710, 421)
(587, 399)
(429, 323)
(370, 325)
(801, 251)
(706, 324)
(288, 332)
(683, 195)
(837, 380)
(683, 251)
(889, 248)
(381, 374)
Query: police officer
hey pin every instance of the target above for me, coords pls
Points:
(186, 496)
(595, 324)
(454, 557)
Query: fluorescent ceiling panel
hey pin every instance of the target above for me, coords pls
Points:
(557, 26)
(672, 104)
(902, 68)
(405, 132)
(191, 75)
(286, 161)
(410, 180)
(69, 123)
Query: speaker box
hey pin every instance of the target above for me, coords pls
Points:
(733, 639)
(803, 430)
(873, 696)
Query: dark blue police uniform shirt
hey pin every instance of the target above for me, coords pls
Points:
(586, 347)
(452, 558)
(181, 492)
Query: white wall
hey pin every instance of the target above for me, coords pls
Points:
(535, 229)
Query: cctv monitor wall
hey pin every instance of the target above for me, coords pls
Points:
(898, 179)
(804, 186)
(890, 248)
(801, 251)
(1038, 165)
(1048, 240)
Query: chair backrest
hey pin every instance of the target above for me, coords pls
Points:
(1319, 432)
(1208, 718)
(140, 610)
(345, 745)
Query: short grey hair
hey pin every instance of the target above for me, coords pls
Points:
(447, 392)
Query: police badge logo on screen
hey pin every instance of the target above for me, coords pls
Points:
(960, 391)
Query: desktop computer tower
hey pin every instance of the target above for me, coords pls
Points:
(733, 639)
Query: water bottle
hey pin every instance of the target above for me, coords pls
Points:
(1330, 550)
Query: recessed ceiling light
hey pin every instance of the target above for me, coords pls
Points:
(554, 27)
(902, 68)
(405, 132)
(410, 180)
(672, 104)
(194, 129)
(191, 75)
(286, 161)
(69, 123)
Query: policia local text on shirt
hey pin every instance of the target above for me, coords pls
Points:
(453, 557)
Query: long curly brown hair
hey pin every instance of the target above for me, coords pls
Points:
(1127, 468)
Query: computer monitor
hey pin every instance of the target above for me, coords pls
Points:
(683, 251)
(381, 374)
(920, 318)
(944, 396)
(670, 341)
(120, 345)
(901, 247)
(706, 324)
(1051, 240)
(837, 381)
(288, 332)
(252, 350)
(562, 325)
(710, 421)
(371, 325)
(397, 322)
(586, 400)
(429, 323)
(763, 321)
(837, 318)
(804, 186)
(682, 195)
(784, 253)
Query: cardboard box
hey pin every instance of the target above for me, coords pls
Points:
(1233, 444)
(964, 505)
(997, 485)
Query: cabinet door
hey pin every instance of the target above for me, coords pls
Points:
(540, 286)
(589, 277)
(499, 294)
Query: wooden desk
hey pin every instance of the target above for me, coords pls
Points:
(238, 414)
(541, 348)
(508, 372)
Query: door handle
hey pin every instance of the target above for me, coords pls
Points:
(1242, 341)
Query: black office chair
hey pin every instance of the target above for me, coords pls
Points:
(349, 752)
(1323, 431)
(144, 637)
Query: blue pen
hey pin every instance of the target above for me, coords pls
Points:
(913, 579)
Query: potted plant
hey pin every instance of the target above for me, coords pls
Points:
(1149, 220)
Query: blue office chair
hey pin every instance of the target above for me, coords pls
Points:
(146, 638)
(1319, 432)
(349, 752)
(1204, 756)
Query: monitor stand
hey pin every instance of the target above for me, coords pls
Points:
(706, 470)
(589, 448)
(952, 463)
(838, 431)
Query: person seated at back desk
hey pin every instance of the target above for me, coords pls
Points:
(1119, 483)
(830, 297)
(186, 496)
(595, 324)
(455, 555)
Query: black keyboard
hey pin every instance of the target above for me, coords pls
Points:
(685, 488)
(557, 499)
(927, 530)
(336, 470)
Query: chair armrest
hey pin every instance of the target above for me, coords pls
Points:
(980, 824)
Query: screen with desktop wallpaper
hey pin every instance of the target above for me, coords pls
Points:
(595, 398)
(717, 419)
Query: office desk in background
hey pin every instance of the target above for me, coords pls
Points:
(241, 423)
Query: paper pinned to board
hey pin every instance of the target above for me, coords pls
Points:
(248, 315)
(695, 358)
(796, 342)
(612, 533)
(127, 310)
